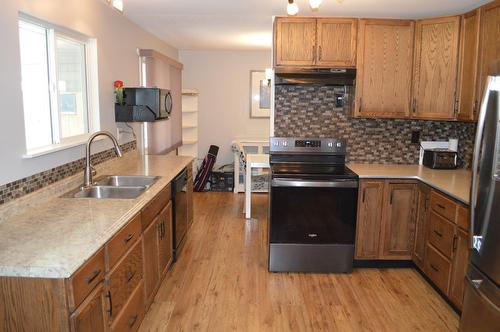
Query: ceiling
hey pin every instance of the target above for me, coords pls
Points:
(246, 24)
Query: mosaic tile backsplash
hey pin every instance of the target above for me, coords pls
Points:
(310, 111)
(19, 188)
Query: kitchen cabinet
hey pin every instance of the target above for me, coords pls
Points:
(336, 39)
(165, 239)
(398, 227)
(468, 102)
(386, 220)
(489, 41)
(459, 267)
(89, 317)
(369, 219)
(384, 68)
(157, 243)
(423, 214)
(151, 260)
(295, 41)
(435, 68)
(311, 42)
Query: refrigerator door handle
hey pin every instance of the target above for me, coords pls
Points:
(475, 160)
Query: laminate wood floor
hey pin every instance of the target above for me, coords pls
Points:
(221, 283)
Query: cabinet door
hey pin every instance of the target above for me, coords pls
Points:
(489, 42)
(459, 267)
(398, 225)
(295, 41)
(190, 209)
(435, 68)
(150, 258)
(165, 239)
(336, 42)
(89, 317)
(422, 219)
(385, 62)
(469, 47)
(369, 219)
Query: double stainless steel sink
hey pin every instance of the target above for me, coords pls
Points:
(115, 187)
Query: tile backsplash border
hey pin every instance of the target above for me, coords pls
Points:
(27, 185)
(309, 111)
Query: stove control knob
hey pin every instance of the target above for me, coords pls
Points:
(276, 143)
(339, 144)
(330, 144)
(285, 143)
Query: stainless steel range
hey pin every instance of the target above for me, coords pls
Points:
(313, 206)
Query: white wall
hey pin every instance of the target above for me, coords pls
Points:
(223, 81)
(117, 41)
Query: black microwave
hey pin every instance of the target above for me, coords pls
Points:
(157, 101)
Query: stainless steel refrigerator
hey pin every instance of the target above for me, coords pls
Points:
(481, 310)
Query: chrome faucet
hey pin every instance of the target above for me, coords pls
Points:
(89, 170)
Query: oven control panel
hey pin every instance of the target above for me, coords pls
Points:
(309, 145)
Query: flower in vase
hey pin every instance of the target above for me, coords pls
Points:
(119, 92)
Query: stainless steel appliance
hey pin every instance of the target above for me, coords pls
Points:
(440, 159)
(481, 310)
(313, 206)
(180, 218)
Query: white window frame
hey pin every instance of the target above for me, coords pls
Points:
(91, 84)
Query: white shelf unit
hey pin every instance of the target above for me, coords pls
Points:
(189, 123)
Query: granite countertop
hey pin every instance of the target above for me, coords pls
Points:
(455, 183)
(51, 237)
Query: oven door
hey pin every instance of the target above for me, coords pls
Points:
(312, 211)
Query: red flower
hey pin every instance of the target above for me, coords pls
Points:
(118, 84)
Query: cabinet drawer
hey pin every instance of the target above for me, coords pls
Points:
(124, 240)
(463, 218)
(437, 268)
(133, 313)
(441, 233)
(155, 206)
(87, 278)
(444, 206)
(124, 278)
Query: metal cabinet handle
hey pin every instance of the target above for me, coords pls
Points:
(434, 268)
(474, 107)
(320, 51)
(93, 276)
(441, 206)
(364, 194)
(128, 238)
(130, 276)
(110, 302)
(438, 233)
(159, 231)
(427, 203)
(455, 238)
(414, 105)
(132, 321)
(392, 194)
(314, 53)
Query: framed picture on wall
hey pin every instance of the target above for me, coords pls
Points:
(260, 94)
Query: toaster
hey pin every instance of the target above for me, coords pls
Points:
(440, 159)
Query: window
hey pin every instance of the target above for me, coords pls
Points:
(55, 75)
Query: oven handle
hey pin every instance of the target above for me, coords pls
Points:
(314, 184)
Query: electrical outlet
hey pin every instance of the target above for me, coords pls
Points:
(415, 136)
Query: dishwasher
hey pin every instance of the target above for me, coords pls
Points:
(180, 224)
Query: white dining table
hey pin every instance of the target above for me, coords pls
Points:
(252, 161)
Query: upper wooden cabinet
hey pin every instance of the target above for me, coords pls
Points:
(336, 40)
(384, 68)
(468, 103)
(489, 43)
(435, 68)
(295, 42)
(311, 42)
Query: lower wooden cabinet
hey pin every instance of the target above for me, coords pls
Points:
(89, 317)
(157, 249)
(437, 268)
(369, 219)
(398, 227)
(459, 267)
(133, 313)
(422, 218)
(386, 220)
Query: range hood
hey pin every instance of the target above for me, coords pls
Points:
(316, 76)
